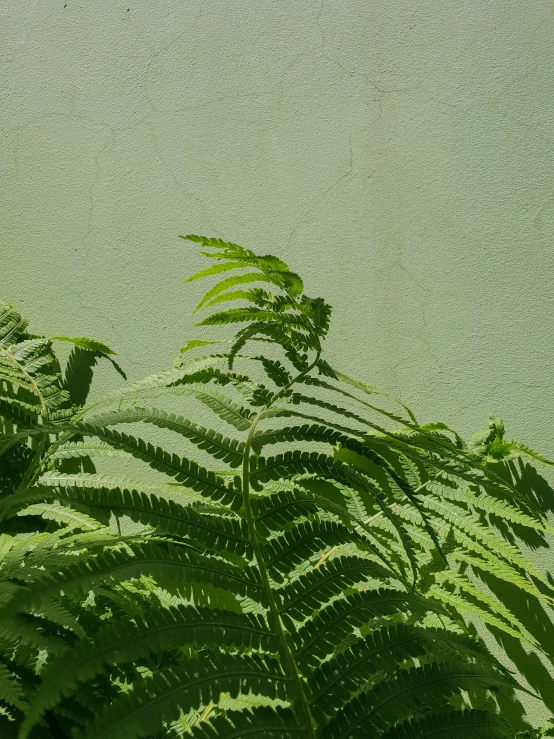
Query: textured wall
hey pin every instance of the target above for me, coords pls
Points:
(397, 154)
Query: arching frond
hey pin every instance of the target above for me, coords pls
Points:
(220, 447)
(158, 630)
(170, 562)
(319, 591)
(368, 661)
(373, 712)
(331, 624)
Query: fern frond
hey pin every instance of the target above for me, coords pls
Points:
(229, 296)
(370, 390)
(482, 501)
(12, 326)
(474, 600)
(61, 515)
(213, 531)
(158, 630)
(185, 471)
(277, 411)
(318, 382)
(140, 712)
(16, 412)
(305, 594)
(170, 562)
(87, 449)
(192, 378)
(22, 639)
(213, 270)
(275, 510)
(319, 636)
(469, 524)
(244, 315)
(378, 655)
(59, 615)
(110, 482)
(89, 345)
(31, 366)
(280, 508)
(479, 603)
(522, 450)
(11, 690)
(265, 723)
(228, 283)
(301, 543)
(467, 724)
(275, 269)
(333, 437)
(296, 463)
(313, 432)
(390, 701)
(220, 447)
(497, 567)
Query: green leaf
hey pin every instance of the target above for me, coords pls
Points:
(195, 343)
(485, 540)
(184, 470)
(31, 367)
(90, 345)
(243, 315)
(11, 690)
(300, 543)
(60, 514)
(273, 603)
(295, 463)
(370, 390)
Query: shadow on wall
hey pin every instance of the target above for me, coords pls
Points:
(537, 617)
(79, 371)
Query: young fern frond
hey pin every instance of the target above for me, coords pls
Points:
(285, 586)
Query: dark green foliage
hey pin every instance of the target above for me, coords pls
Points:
(307, 575)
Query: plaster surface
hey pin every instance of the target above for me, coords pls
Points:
(398, 155)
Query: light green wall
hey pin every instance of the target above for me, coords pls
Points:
(398, 154)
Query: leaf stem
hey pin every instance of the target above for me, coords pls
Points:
(289, 662)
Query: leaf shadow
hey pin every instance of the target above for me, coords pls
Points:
(537, 617)
(79, 372)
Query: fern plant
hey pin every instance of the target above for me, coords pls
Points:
(34, 393)
(310, 580)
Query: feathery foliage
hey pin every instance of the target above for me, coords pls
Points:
(305, 568)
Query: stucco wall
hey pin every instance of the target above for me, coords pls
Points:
(398, 154)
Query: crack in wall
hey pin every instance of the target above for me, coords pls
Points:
(333, 186)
